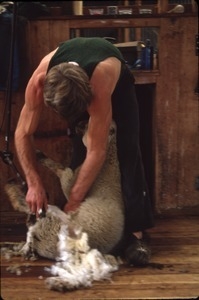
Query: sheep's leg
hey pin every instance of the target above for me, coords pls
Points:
(15, 191)
(17, 199)
(16, 196)
(67, 179)
(65, 175)
(49, 163)
(27, 250)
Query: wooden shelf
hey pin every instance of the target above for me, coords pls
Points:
(99, 17)
(145, 77)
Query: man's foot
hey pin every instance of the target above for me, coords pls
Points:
(137, 252)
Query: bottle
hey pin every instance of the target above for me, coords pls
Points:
(147, 56)
(77, 8)
(155, 59)
(138, 63)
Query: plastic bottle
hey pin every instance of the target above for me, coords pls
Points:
(138, 63)
(147, 56)
(155, 59)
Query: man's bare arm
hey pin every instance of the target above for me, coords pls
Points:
(103, 83)
(27, 124)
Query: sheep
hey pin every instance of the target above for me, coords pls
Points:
(93, 230)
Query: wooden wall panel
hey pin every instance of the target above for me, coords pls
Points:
(44, 36)
(5, 171)
(59, 32)
(38, 42)
(188, 161)
(176, 115)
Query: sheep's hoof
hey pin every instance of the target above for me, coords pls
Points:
(138, 253)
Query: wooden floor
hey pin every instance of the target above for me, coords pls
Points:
(172, 274)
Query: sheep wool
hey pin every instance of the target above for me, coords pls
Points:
(78, 265)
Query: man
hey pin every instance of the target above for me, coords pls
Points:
(86, 78)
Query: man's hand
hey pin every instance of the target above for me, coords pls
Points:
(36, 199)
(71, 206)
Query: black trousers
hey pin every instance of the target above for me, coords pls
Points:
(138, 208)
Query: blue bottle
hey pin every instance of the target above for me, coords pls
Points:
(147, 56)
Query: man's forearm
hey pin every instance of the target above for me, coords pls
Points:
(86, 177)
(27, 158)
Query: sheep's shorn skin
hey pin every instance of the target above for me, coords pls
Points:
(81, 240)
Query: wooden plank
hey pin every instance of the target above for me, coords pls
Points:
(59, 32)
(38, 47)
(188, 117)
(114, 23)
(145, 77)
(162, 6)
(176, 116)
(137, 287)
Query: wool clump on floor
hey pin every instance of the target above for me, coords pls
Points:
(77, 264)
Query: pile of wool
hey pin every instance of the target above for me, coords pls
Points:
(77, 264)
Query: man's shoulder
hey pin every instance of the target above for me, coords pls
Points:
(111, 66)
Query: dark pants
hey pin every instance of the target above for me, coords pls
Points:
(138, 207)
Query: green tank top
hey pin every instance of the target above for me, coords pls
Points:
(87, 52)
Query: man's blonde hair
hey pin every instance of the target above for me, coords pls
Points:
(67, 90)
